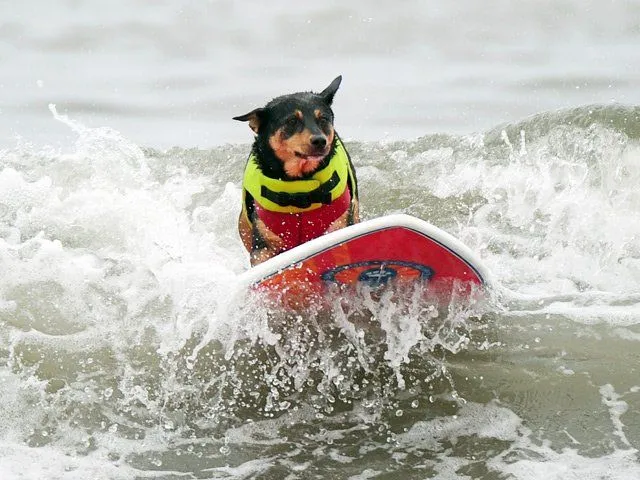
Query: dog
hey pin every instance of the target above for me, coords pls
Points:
(299, 182)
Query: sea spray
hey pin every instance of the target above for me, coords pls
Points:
(126, 345)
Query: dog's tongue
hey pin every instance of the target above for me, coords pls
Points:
(309, 163)
(312, 159)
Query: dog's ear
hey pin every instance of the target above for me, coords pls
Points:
(328, 93)
(254, 118)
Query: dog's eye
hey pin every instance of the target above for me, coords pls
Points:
(291, 125)
(324, 123)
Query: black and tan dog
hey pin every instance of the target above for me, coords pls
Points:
(299, 182)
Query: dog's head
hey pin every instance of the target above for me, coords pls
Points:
(294, 133)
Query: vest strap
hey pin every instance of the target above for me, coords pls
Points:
(322, 194)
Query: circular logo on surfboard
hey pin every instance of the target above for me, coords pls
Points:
(377, 273)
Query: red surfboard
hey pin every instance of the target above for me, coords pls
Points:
(395, 250)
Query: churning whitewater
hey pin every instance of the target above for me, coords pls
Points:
(128, 351)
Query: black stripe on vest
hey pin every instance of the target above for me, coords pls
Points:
(322, 194)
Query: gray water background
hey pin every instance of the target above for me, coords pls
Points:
(173, 73)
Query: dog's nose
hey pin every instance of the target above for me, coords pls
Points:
(319, 141)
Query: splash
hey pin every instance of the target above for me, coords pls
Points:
(125, 343)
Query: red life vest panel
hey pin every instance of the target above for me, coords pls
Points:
(298, 228)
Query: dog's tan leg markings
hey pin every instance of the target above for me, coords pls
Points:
(261, 255)
(245, 229)
(273, 240)
(338, 223)
(349, 217)
(354, 211)
(273, 244)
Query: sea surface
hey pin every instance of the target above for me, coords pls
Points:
(127, 348)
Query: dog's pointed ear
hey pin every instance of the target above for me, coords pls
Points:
(328, 93)
(254, 118)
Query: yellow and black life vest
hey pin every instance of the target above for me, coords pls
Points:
(297, 196)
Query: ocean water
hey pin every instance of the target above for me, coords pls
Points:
(127, 350)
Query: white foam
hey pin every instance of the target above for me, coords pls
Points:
(554, 211)
(485, 421)
(112, 260)
(22, 462)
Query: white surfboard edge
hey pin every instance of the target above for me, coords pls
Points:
(320, 244)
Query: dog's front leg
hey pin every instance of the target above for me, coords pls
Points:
(265, 243)
(351, 216)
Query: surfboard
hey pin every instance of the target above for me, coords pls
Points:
(393, 251)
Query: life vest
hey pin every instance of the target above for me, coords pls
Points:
(300, 210)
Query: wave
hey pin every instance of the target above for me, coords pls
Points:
(122, 333)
